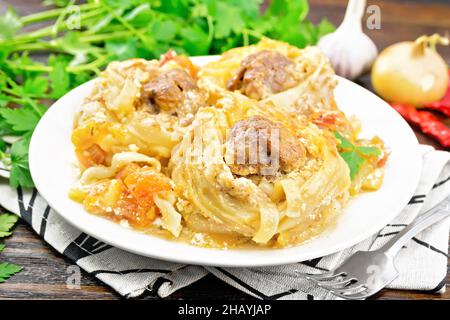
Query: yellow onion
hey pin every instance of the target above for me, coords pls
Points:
(411, 72)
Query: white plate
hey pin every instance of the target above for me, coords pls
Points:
(52, 165)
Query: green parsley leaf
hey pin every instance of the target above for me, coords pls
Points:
(175, 7)
(4, 100)
(195, 40)
(3, 145)
(250, 8)
(324, 27)
(60, 79)
(305, 34)
(290, 17)
(123, 4)
(199, 9)
(292, 10)
(3, 79)
(228, 19)
(20, 119)
(290, 24)
(164, 30)
(264, 26)
(4, 130)
(140, 16)
(7, 221)
(79, 78)
(104, 22)
(344, 143)
(352, 154)
(36, 85)
(72, 44)
(121, 50)
(20, 170)
(276, 8)
(7, 270)
(21, 60)
(354, 162)
(2, 246)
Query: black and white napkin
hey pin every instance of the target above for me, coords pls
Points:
(422, 263)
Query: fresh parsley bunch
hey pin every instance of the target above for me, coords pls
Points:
(83, 37)
(7, 221)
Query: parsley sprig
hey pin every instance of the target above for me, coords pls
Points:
(7, 221)
(354, 156)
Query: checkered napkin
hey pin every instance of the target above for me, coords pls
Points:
(422, 263)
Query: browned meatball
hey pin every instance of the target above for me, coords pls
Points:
(262, 74)
(247, 155)
(173, 90)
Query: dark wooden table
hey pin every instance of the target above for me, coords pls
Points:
(46, 271)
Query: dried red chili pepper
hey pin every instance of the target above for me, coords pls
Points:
(442, 105)
(427, 122)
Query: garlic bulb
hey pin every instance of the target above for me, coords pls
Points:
(350, 51)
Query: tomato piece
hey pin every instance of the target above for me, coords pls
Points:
(138, 216)
(144, 183)
(326, 120)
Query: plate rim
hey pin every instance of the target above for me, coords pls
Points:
(223, 263)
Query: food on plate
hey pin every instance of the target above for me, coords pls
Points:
(250, 150)
(137, 104)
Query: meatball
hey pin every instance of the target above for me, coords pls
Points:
(262, 74)
(174, 91)
(257, 145)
